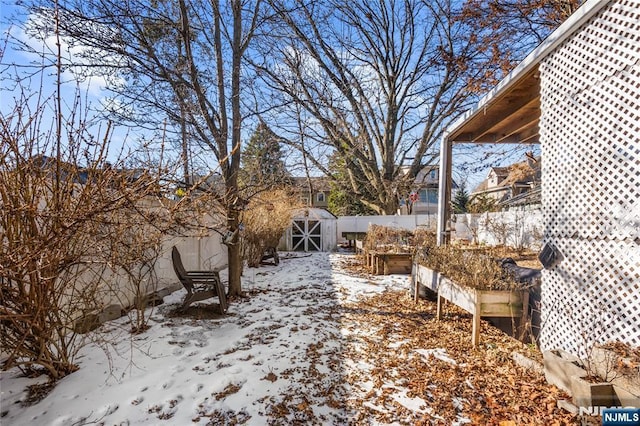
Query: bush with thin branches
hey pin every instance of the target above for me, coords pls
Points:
(475, 268)
(265, 220)
(388, 239)
(69, 221)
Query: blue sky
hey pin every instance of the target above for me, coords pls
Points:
(38, 81)
(92, 95)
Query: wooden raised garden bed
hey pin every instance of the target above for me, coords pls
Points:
(387, 250)
(391, 263)
(479, 303)
(385, 263)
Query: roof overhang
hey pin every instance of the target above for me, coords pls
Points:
(509, 117)
(511, 111)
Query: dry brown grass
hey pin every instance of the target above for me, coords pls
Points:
(472, 268)
(265, 220)
(388, 239)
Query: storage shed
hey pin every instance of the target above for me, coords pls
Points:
(312, 229)
(578, 95)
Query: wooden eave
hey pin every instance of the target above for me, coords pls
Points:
(510, 113)
(510, 117)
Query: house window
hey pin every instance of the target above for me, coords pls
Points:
(432, 174)
(432, 196)
(320, 197)
(428, 196)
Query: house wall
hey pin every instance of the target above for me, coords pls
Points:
(321, 199)
(493, 179)
(590, 140)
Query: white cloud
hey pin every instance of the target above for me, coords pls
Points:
(40, 45)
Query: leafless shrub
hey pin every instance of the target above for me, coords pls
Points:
(472, 268)
(508, 229)
(388, 239)
(499, 228)
(134, 247)
(265, 221)
(424, 237)
(68, 219)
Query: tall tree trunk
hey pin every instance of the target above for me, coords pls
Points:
(234, 252)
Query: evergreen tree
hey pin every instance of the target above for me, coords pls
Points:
(262, 163)
(340, 201)
(460, 201)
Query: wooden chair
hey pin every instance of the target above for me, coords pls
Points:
(200, 285)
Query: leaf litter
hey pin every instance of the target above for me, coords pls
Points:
(318, 342)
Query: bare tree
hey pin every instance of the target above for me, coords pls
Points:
(510, 29)
(71, 214)
(181, 60)
(381, 81)
(58, 195)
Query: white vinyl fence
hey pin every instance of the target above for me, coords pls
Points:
(521, 228)
(515, 228)
(361, 223)
(120, 290)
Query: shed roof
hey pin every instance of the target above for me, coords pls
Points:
(315, 213)
(510, 112)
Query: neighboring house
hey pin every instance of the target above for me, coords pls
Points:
(577, 95)
(509, 184)
(313, 191)
(424, 196)
(427, 200)
(491, 186)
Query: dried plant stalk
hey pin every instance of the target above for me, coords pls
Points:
(267, 217)
(388, 239)
(472, 268)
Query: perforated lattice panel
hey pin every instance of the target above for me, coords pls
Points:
(590, 137)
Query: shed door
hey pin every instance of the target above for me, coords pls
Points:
(306, 235)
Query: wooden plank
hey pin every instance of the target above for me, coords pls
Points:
(525, 321)
(378, 265)
(458, 295)
(499, 296)
(368, 256)
(396, 265)
(415, 285)
(427, 277)
(502, 310)
(475, 330)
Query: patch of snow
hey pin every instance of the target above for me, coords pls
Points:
(439, 353)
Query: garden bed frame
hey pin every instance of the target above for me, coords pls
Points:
(479, 303)
(385, 263)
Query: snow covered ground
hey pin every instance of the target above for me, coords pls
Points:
(317, 342)
(278, 349)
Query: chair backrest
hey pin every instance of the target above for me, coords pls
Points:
(178, 267)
